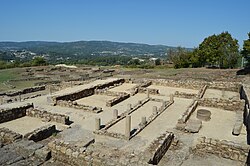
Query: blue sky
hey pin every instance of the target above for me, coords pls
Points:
(175, 23)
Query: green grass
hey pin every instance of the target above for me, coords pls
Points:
(9, 74)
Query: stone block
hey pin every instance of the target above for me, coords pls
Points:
(75, 154)
(69, 152)
(63, 149)
(193, 126)
(201, 139)
(235, 156)
(43, 154)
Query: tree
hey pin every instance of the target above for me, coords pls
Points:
(180, 57)
(38, 61)
(218, 50)
(246, 50)
(158, 62)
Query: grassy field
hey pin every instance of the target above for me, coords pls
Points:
(6, 75)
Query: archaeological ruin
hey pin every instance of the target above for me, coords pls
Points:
(124, 120)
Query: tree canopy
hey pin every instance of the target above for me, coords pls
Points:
(38, 61)
(246, 50)
(218, 50)
(180, 57)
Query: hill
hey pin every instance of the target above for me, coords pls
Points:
(86, 48)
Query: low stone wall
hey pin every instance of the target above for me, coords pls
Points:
(7, 136)
(149, 90)
(84, 92)
(107, 92)
(29, 79)
(77, 95)
(13, 113)
(181, 124)
(31, 97)
(70, 154)
(117, 99)
(48, 116)
(244, 94)
(41, 133)
(222, 148)
(202, 92)
(96, 155)
(159, 147)
(186, 115)
(25, 91)
(179, 84)
(192, 84)
(185, 95)
(141, 87)
(238, 123)
(230, 105)
(111, 84)
(227, 86)
(75, 105)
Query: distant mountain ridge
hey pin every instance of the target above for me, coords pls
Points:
(82, 49)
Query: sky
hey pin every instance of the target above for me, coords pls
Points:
(168, 22)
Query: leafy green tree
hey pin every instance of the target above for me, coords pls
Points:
(195, 59)
(218, 50)
(180, 57)
(157, 62)
(246, 50)
(38, 61)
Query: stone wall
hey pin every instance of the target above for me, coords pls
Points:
(238, 123)
(227, 86)
(48, 116)
(107, 92)
(77, 95)
(192, 84)
(181, 123)
(117, 99)
(25, 91)
(69, 153)
(95, 154)
(75, 105)
(222, 148)
(13, 113)
(159, 147)
(186, 115)
(230, 105)
(142, 87)
(202, 92)
(7, 136)
(179, 84)
(41, 133)
(149, 90)
(84, 92)
(185, 95)
(244, 95)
